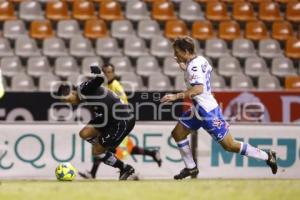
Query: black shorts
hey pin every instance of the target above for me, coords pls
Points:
(113, 133)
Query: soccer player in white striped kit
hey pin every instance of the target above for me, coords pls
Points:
(205, 112)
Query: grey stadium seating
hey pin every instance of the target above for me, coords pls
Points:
(54, 47)
(22, 82)
(13, 29)
(37, 66)
(11, 66)
(147, 65)
(65, 66)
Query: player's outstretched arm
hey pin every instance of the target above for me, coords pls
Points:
(88, 86)
(190, 93)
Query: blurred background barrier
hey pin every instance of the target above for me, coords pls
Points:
(238, 106)
(32, 151)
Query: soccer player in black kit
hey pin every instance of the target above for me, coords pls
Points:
(113, 120)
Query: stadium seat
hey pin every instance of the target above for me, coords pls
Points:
(122, 64)
(190, 11)
(282, 30)
(81, 47)
(121, 29)
(65, 66)
(217, 82)
(83, 10)
(131, 82)
(216, 48)
(159, 82)
(149, 61)
(95, 28)
(241, 82)
(47, 82)
(107, 47)
(243, 48)
(256, 66)
(41, 29)
(110, 10)
(5, 48)
(171, 67)
(269, 11)
(256, 30)
(269, 48)
(243, 11)
(21, 82)
(293, 11)
(292, 82)
(57, 10)
(147, 29)
(11, 66)
(54, 47)
(229, 30)
(135, 47)
(163, 11)
(37, 66)
(31, 10)
(90, 61)
(229, 66)
(67, 29)
(147, 65)
(282, 67)
(292, 48)
(7, 11)
(161, 47)
(175, 28)
(26, 47)
(13, 29)
(136, 10)
(180, 83)
(202, 30)
(216, 11)
(268, 82)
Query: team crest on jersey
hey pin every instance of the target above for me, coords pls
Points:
(217, 123)
(203, 67)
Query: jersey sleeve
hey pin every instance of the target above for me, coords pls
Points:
(196, 73)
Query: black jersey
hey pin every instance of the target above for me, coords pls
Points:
(102, 101)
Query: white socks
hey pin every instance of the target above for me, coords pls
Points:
(186, 153)
(253, 152)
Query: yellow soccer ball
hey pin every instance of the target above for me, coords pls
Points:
(65, 172)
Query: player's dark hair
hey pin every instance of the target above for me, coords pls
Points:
(64, 90)
(106, 65)
(185, 44)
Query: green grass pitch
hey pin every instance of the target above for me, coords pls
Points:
(151, 189)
